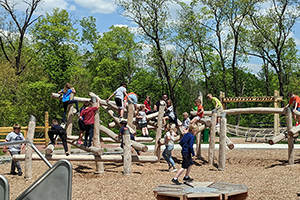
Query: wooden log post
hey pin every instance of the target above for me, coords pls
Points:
(289, 126)
(28, 152)
(198, 138)
(70, 120)
(46, 128)
(130, 114)
(96, 136)
(127, 152)
(294, 131)
(222, 147)
(276, 116)
(212, 138)
(157, 150)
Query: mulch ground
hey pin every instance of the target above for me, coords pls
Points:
(264, 172)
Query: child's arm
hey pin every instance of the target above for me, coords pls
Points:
(113, 94)
(4, 148)
(73, 90)
(126, 95)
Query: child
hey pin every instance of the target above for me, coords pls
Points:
(133, 97)
(218, 107)
(88, 117)
(169, 143)
(15, 149)
(58, 130)
(200, 111)
(121, 132)
(81, 128)
(185, 122)
(169, 114)
(119, 99)
(186, 143)
(294, 99)
(143, 120)
(66, 99)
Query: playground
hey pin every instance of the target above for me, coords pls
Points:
(265, 172)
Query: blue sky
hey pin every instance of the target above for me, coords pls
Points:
(107, 14)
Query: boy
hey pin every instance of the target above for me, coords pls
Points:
(119, 99)
(121, 132)
(15, 149)
(200, 111)
(218, 107)
(294, 99)
(58, 130)
(187, 143)
(88, 117)
(186, 121)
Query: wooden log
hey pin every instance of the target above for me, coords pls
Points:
(102, 158)
(222, 148)
(46, 128)
(49, 149)
(96, 138)
(212, 137)
(69, 126)
(276, 116)
(294, 130)
(79, 99)
(127, 152)
(130, 114)
(206, 121)
(277, 138)
(95, 150)
(198, 145)
(28, 151)
(157, 151)
(289, 126)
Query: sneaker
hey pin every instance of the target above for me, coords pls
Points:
(20, 173)
(176, 181)
(217, 125)
(297, 124)
(67, 154)
(170, 166)
(63, 125)
(174, 170)
(79, 142)
(115, 115)
(188, 179)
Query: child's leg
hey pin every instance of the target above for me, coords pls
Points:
(143, 131)
(121, 112)
(91, 134)
(194, 120)
(63, 137)
(165, 155)
(86, 135)
(65, 111)
(147, 133)
(179, 173)
(80, 135)
(188, 171)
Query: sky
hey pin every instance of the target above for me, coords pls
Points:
(108, 14)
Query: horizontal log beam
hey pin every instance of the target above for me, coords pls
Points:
(79, 99)
(277, 138)
(102, 158)
(251, 99)
(294, 130)
(92, 149)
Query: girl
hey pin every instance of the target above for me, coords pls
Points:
(169, 143)
(147, 104)
(66, 99)
(142, 120)
(170, 114)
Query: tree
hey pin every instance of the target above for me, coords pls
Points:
(13, 30)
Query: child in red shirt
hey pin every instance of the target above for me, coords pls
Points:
(88, 117)
(200, 111)
(294, 99)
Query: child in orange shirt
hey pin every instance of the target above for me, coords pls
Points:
(294, 99)
(200, 111)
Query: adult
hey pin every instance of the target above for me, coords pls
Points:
(159, 102)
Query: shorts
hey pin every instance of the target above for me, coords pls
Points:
(81, 125)
(133, 98)
(119, 102)
(142, 125)
(198, 118)
(298, 109)
(186, 160)
(219, 111)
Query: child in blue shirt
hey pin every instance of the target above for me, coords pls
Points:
(187, 152)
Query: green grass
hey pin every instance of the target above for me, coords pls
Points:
(1, 153)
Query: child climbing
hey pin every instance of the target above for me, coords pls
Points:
(169, 114)
(61, 132)
(185, 122)
(121, 132)
(119, 99)
(200, 111)
(294, 99)
(142, 120)
(88, 117)
(218, 106)
(187, 152)
(66, 99)
(169, 143)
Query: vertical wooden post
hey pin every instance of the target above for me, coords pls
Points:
(222, 146)
(127, 152)
(289, 126)
(70, 121)
(276, 116)
(222, 95)
(157, 151)
(130, 114)
(96, 137)
(28, 152)
(212, 138)
(46, 128)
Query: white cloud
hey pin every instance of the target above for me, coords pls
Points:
(98, 6)
(255, 68)
(46, 6)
